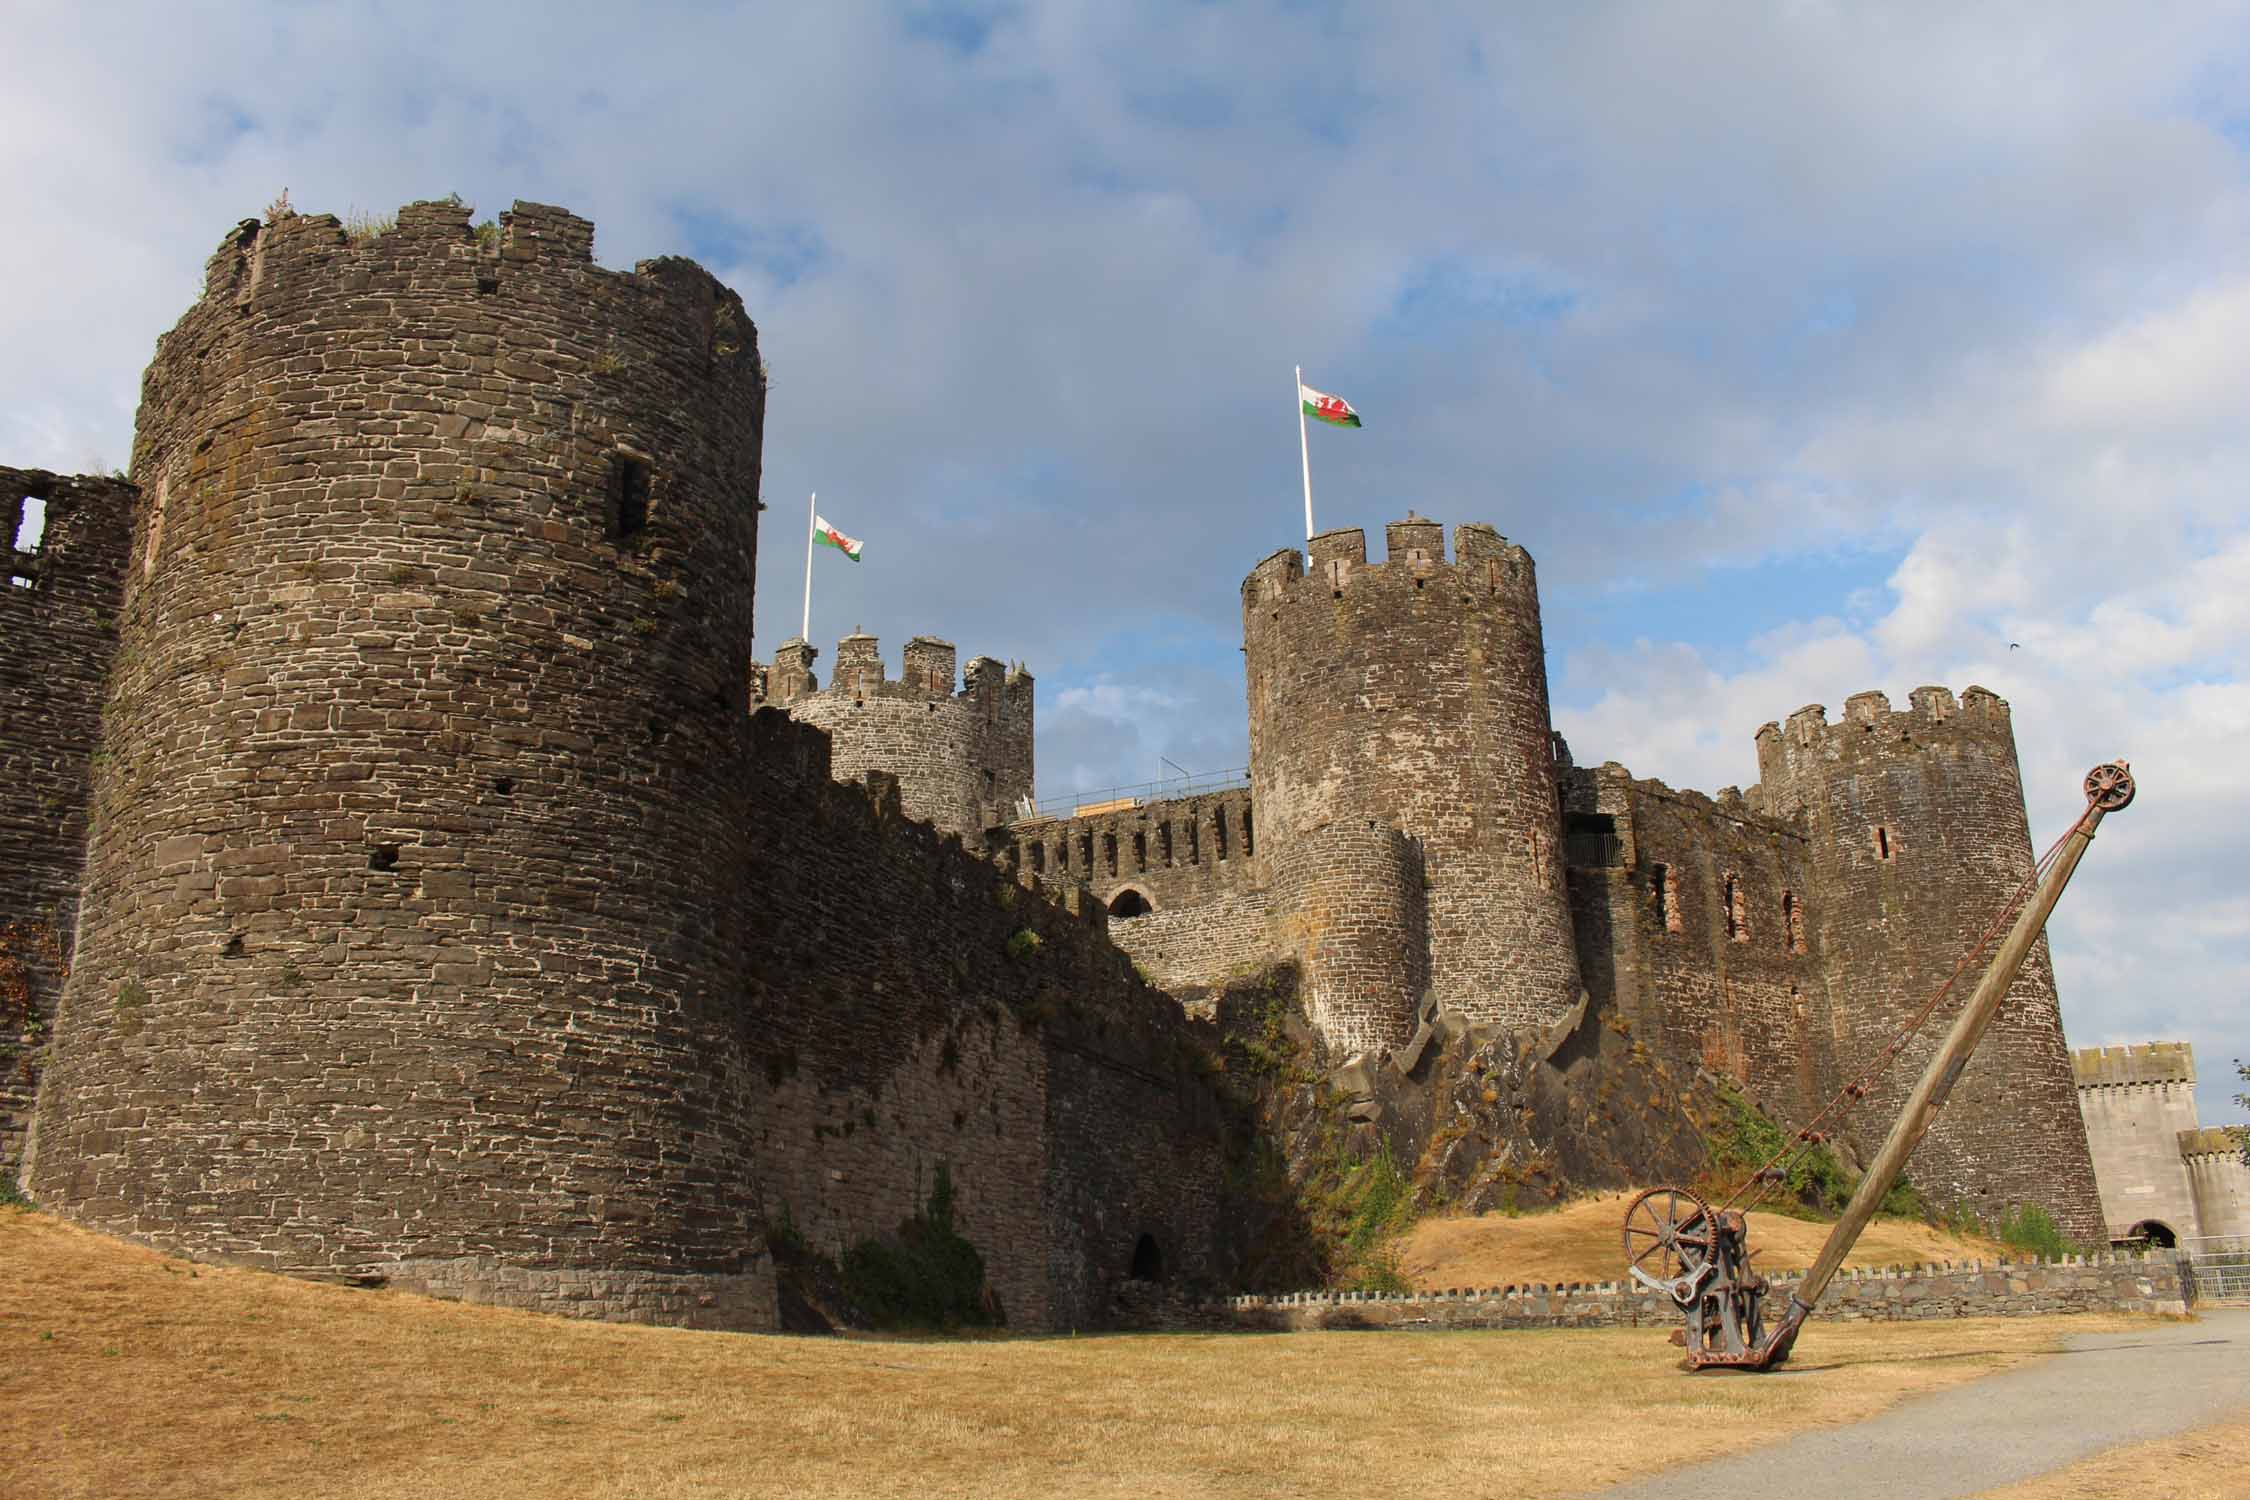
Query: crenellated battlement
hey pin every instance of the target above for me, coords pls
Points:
(2149, 1062)
(963, 754)
(1414, 558)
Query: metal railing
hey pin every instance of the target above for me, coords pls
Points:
(2220, 1266)
(1139, 794)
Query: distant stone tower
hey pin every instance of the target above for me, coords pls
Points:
(408, 894)
(1918, 835)
(962, 759)
(1412, 695)
(2139, 1105)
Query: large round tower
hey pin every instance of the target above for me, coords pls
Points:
(410, 871)
(1918, 837)
(1413, 694)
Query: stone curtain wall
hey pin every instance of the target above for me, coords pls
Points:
(58, 631)
(2149, 1285)
(1179, 852)
(1918, 835)
(2136, 1101)
(1189, 949)
(405, 924)
(998, 1032)
(1692, 920)
(961, 759)
(1413, 693)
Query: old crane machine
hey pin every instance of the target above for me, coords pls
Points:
(1680, 1245)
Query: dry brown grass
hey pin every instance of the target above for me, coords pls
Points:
(1581, 1242)
(124, 1372)
(2204, 1463)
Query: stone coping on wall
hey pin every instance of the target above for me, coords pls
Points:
(2110, 1282)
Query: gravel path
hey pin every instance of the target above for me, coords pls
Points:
(2104, 1389)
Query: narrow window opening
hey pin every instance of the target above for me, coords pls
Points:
(988, 781)
(1038, 859)
(1882, 842)
(630, 480)
(1219, 835)
(1164, 844)
(1129, 903)
(1792, 922)
(1140, 853)
(1738, 911)
(1148, 1260)
(29, 531)
(383, 857)
(1109, 851)
(1062, 854)
(1195, 841)
(1086, 852)
(1249, 839)
(1667, 899)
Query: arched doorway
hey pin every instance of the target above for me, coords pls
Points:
(2154, 1232)
(1129, 903)
(1148, 1260)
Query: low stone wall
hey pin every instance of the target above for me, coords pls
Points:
(2092, 1283)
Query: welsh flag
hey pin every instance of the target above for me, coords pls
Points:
(829, 536)
(1334, 410)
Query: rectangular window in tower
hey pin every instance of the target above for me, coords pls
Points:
(1195, 842)
(1062, 854)
(1884, 848)
(1164, 843)
(1038, 859)
(631, 480)
(1249, 839)
(1792, 922)
(1219, 835)
(1590, 841)
(1737, 910)
(1666, 898)
(1109, 851)
(1140, 853)
(1086, 852)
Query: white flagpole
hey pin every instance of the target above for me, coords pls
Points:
(805, 634)
(1304, 452)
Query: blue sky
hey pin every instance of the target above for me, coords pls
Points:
(1809, 349)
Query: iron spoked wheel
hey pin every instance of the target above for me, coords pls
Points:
(2109, 786)
(1670, 1239)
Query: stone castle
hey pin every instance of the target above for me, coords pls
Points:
(2165, 1177)
(437, 891)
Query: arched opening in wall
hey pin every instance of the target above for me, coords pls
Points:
(631, 479)
(1129, 903)
(2154, 1232)
(1148, 1259)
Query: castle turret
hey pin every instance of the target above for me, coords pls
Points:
(1917, 837)
(962, 759)
(411, 887)
(1412, 694)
